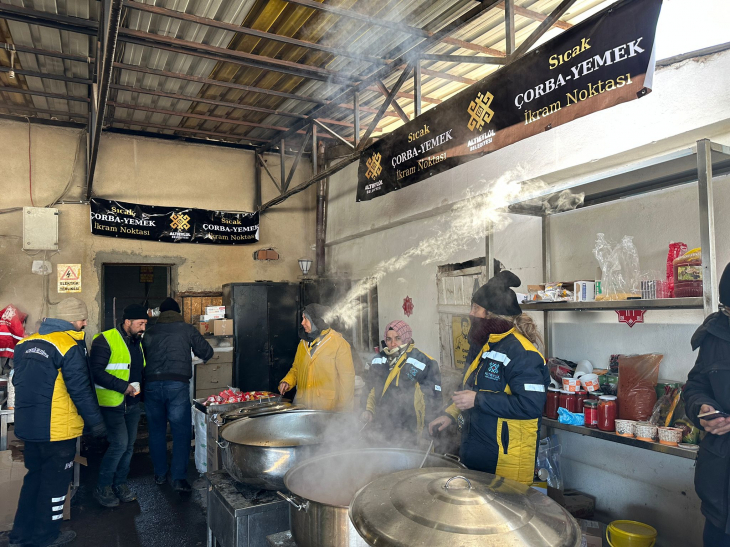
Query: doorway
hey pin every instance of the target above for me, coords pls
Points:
(125, 284)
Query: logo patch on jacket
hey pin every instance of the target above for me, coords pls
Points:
(492, 372)
(39, 351)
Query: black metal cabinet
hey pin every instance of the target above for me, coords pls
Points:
(265, 328)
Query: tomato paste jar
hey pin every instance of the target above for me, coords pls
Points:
(607, 412)
(552, 403)
(568, 401)
(580, 396)
(590, 411)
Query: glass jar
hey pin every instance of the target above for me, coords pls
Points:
(552, 403)
(607, 412)
(590, 411)
(594, 394)
(568, 401)
(580, 396)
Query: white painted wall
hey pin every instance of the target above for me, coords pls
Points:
(691, 100)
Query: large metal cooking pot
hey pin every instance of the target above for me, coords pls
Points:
(323, 487)
(442, 508)
(259, 450)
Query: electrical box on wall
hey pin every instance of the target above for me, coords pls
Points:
(40, 229)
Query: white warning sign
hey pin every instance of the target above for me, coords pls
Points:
(69, 278)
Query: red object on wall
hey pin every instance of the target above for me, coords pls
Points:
(631, 317)
(408, 306)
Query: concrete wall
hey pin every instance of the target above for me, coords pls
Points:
(147, 171)
(690, 101)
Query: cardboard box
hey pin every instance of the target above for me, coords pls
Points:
(578, 504)
(11, 480)
(218, 311)
(221, 327)
(203, 328)
(213, 376)
(592, 532)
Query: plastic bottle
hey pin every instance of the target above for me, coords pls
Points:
(675, 251)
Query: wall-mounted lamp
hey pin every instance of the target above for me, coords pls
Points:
(304, 265)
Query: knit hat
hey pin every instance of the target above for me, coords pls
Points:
(497, 297)
(724, 287)
(403, 330)
(71, 309)
(169, 304)
(316, 313)
(135, 311)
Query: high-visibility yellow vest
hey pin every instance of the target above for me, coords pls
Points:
(120, 363)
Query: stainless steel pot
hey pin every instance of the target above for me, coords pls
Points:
(323, 487)
(259, 450)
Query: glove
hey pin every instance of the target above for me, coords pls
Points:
(98, 430)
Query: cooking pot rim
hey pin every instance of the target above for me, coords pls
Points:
(291, 471)
(247, 419)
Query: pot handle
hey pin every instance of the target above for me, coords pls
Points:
(301, 506)
(457, 459)
(458, 477)
(223, 444)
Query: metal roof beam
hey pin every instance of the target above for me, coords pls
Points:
(166, 136)
(297, 158)
(7, 89)
(448, 77)
(46, 53)
(334, 134)
(535, 15)
(509, 25)
(555, 15)
(401, 113)
(388, 101)
(110, 23)
(266, 168)
(60, 77)
(42, 121)
(47, 19)
(477, 60)
(252, 32)
(34, 110)
(392, 25)
(129, 121)
(197, 49)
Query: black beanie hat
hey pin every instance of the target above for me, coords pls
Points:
(169, 304)
(497, 297)
(135, 311)
(316, 313)
(725, 287)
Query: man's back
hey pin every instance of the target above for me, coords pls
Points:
(167, 346)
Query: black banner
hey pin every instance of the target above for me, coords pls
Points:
(172, 224)
(604, 61)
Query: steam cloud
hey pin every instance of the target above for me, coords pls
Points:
(471, 220)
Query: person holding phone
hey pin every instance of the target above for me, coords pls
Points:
(707, 404)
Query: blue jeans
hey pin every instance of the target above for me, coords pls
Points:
(121, 431)
(164, 401)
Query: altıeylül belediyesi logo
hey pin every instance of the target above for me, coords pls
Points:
(374, 167)
(479, 111)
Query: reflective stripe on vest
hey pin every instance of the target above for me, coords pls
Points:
(120, 363)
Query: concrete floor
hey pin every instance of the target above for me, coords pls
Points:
(159, 518)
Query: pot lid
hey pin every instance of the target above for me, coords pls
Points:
(249, 411)
(443, 507)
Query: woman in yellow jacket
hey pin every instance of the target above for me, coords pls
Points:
(322, 372)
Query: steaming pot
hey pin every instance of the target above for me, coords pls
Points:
(323, 487)
(259, 450)
(442, 507)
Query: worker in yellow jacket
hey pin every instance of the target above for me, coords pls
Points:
(322, 371)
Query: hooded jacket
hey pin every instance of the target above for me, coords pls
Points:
(405, 398)
(500, 433)
(323, 373)
(709, 383)
(54, 395)
(167, 346)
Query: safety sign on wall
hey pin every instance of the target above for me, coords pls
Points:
(69, 278)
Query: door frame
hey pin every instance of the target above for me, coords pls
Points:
(171, 272)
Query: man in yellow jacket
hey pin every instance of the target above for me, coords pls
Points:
(322, 372)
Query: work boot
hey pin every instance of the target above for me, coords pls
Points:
(66, 537)
(124, 494)
(106, 497)
(160, 479)
(181, 485)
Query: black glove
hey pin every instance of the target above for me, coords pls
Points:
(98, 430)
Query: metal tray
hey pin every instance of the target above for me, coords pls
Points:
(215, 409)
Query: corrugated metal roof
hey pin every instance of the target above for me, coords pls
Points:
(268, 114)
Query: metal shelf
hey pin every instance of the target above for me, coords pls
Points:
(660, 304)
(629, 441)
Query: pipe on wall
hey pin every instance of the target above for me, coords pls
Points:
(321, 234)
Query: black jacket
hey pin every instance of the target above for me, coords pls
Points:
(709, 383)
(99, 359)
(167, 346)
(54, 395)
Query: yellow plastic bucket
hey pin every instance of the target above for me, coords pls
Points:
(629, 533)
